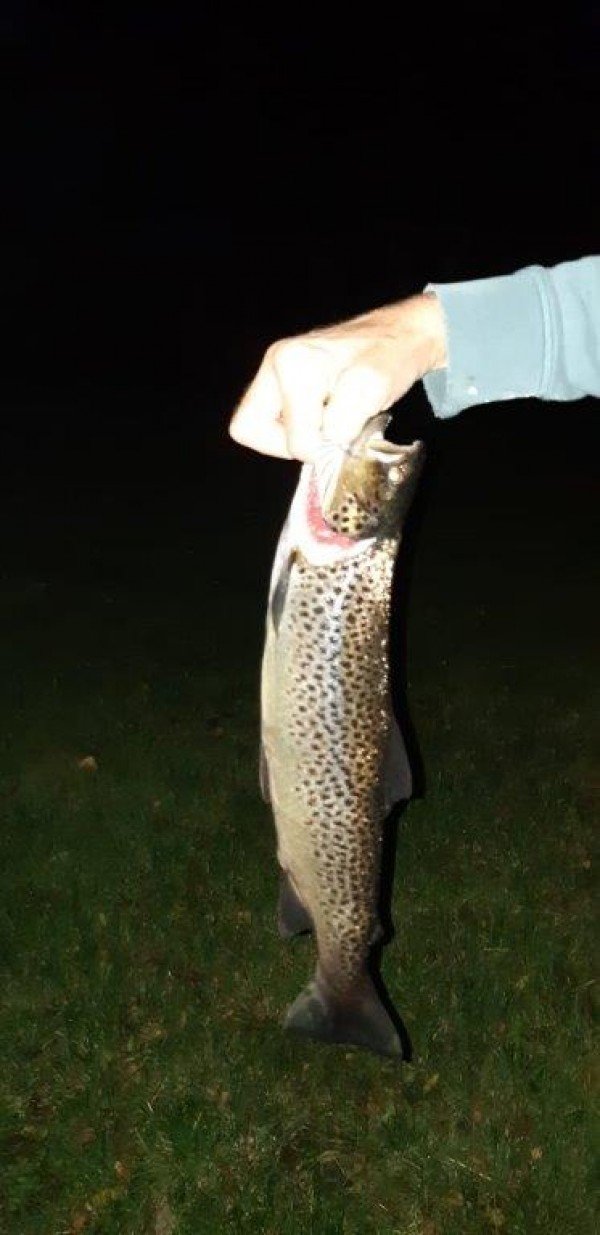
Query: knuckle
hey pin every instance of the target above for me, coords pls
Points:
(275, 349)
(289, 353)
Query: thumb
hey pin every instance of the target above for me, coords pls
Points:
(359, 393)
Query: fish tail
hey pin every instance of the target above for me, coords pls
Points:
(355, 1016)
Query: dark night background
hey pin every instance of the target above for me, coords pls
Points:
(177, 192)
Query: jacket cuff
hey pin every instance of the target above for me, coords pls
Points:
(501, 340)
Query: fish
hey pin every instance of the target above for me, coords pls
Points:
(333, 762)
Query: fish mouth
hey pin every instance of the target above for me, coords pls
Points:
(318, 526)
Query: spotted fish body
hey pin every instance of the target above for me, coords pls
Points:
(333, 761)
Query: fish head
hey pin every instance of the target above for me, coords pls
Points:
(363, 491)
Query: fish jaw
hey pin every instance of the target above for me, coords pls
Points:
(311, 534)
(319, 529)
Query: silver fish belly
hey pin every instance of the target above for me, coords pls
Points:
(333, 764)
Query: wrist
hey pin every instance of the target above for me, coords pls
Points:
(434, 337)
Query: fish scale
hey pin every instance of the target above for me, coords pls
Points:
(329, 671)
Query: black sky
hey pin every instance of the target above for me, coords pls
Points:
(178, 190)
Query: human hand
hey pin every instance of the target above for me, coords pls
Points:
(329, 382)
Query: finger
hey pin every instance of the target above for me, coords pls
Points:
(257, 420)
(359, 393)
(303, 380)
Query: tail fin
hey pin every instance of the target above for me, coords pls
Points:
(358, 1018)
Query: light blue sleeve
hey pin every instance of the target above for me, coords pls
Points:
(534, 333)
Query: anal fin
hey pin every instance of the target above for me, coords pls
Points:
(397, 776)
(292, 917)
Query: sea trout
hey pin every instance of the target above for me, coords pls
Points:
(333, 761)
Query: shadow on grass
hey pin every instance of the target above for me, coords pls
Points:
(384, 910)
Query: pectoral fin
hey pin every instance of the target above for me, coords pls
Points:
(285, 554)
(279, 593)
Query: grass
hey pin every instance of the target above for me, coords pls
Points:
(146, 1086)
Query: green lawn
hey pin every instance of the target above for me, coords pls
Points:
(146, 1086)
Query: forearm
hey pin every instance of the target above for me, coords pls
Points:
(533, 333)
